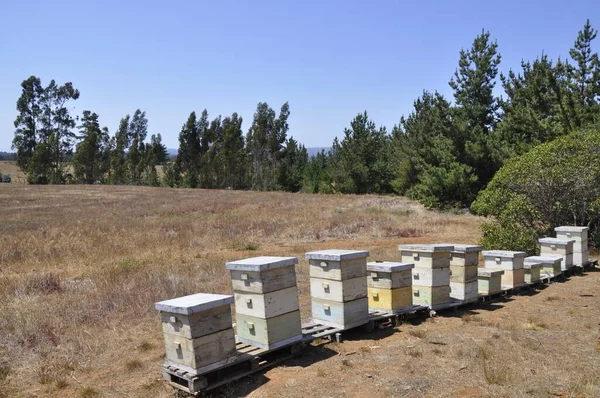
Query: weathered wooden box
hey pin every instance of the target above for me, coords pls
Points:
(513, 278)
(389, 275)
(337, 265)
(506, 260)
(464, 291)
(489, 280)
(532, 272)
(558, 247)
(463, 274)
(340, 291)
(390, 299)
(465, 255)
(340, 315)
(551, 265)
(579, 234)
(267, 305)
(198, 331)
(431, 276)
(269, 333)
(426, 256)
(430, 295)
(262, 274)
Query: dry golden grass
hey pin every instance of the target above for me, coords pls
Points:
(82, 266)
(9, 167)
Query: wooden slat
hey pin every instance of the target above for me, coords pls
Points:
(316, 329)
(326, 333)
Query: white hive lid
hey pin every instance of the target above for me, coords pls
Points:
(556, 241)
(549, 259)
(426, 248)
(193, 303)
(388, 266)
(568, 228)
(337, 255)
(531, 264)
(488, 272)
(503, 254)
(461, 248)
(259, 264)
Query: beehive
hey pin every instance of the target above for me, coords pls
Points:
(431, 273)
(580, 246)
(198, 331)
(558, 247)
(510, 262)
(532, 272)
(489, 280)
(464, 262)
(389, 285)
(266, 301)
(550, 265)
(338, 285)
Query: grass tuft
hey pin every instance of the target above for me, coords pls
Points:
(552, 298)
(89, 392)
(145, 346)
(534, 324)
(418, 333)
(133, 364)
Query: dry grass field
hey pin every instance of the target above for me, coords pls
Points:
(17, 176)
(81, 266)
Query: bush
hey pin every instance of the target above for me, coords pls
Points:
(557, 183)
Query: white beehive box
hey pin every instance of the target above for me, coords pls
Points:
(502, 259)
(464, 255)
(426, 256)
(489, 280)
(579, 234)
(198, 331)
(389, 285)
(558, 247)
(551, 265)
(266, 301)
(464, 291)
(430, 295)
(431, 276)
(338, 281)
(532, 272)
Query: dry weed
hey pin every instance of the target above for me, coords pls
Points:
(418, 333)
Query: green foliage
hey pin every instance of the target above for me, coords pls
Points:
(91, 159)
(291, 170)
(557, 183)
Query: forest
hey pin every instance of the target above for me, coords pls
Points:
(445, 152)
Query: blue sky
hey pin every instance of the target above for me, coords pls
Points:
(329, 59)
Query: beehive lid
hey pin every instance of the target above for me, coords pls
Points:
(568, 228)
(465, 248)
(489, 272)
(530, 265)
(388, 266)
(556, 241)
(193, 303)
(544, 259)
(426, 248)
(337, 255)
(259, 264)
(503, 254)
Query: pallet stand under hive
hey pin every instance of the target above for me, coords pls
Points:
(532, 272)
(580, 246)
(489, 280)
(511, 263)
(198, 332)
(558, 247)
(431, 274)
(551, 265)
(464, 262)
(389, 286)
(267, 312)
(338, 287)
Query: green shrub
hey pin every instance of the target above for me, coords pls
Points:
(557, 183)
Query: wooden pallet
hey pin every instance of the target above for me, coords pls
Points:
(250, 360)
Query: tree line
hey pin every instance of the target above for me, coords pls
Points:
(443, 153)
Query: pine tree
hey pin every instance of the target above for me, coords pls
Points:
(137, 132)
(118, 158)
(233, 157)
(291, 169)
(190, 154)
(28, 121)
(89, 160)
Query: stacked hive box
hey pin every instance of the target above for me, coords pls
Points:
(550, 265)
(532, 272)
(431, 274)
(510, 262)
(338, 287)
(464, 262)
(489, 280)
(198, 331)
(266, 301)
(389, 285)
(559, 248)
(580, 246)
